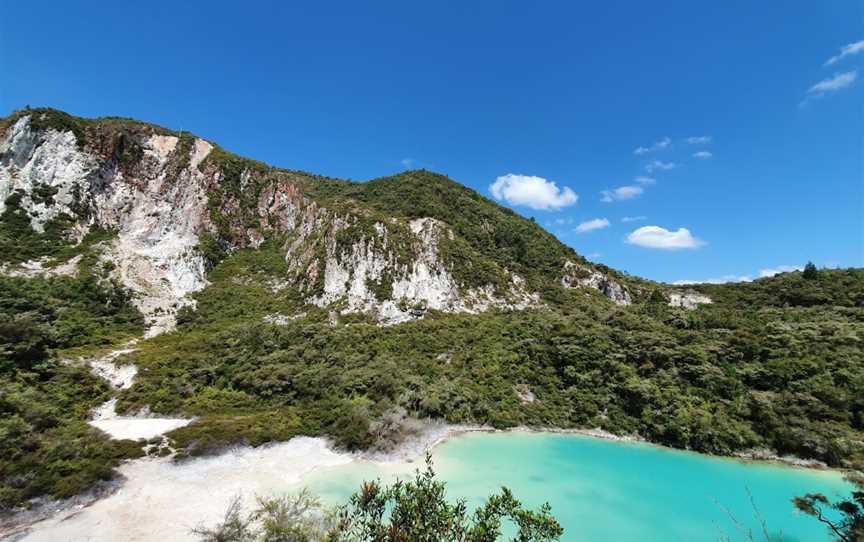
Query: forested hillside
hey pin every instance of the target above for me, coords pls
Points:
(45, 445)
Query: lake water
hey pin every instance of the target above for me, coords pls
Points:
(604, 490)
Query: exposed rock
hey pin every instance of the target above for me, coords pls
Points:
(525, 395)
(50, 159)
(278, 319)
(688, 300)
(37, 268)
(105, 417)
(576, 275)
(157, 218)
(768, 454)
(446, 357)
(119, 376)
(414, 287)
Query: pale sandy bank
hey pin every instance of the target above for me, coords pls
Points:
(163, 500)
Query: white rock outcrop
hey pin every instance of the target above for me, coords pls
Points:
(40, 268)
(156, 216)
(105, 417)
(51, 159)
(423, 284)
(689, 300)
(576, 276)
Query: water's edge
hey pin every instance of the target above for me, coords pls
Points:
(50, 514)
(436, 433)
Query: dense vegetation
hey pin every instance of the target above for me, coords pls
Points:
(726, 377)
(414, 510)
(45, 445)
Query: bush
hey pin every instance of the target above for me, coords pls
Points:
(416, 510)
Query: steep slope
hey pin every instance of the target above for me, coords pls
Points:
(393, 248)
(492, 238)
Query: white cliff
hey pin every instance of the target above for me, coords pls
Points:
(689, 300)
(33, 160)
(422, 284)
(156, 217)
(576, 276)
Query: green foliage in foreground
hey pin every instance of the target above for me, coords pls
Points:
(846, 524)
(46, 448)
(415, 510)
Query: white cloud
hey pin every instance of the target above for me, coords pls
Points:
(742, 278)
(702, 155)
(534, 192)
(779, 269)
(838, 82)
(633, 218)
(717, 280)
(657, 165)
(661, 238)
(622, 192)
(594, 255)
(846, 50)
(699, 140)
(657, 146)
(562, 221)
(642, 179)
(591, 225)
(407, 162)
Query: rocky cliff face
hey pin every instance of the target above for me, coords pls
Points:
(178, 203)
(689, 300)
(156, 213)
(368, 276)
(576, 275)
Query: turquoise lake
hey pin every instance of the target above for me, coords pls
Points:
(604, 490)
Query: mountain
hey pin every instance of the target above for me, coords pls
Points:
(266, 303)
(392, 247)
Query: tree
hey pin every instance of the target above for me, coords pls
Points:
(810, 272)
(295, 518)
(417, 511)
(847, 524)
(24, 342)
(233, 528)
(291, 518)
(412, 511)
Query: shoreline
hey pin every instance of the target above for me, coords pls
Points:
(437, 433)
(157, 498)
(114, 508)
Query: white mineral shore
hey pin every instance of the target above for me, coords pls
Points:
(164, 500)
(160, 499)
(132, 427)
(105, 416)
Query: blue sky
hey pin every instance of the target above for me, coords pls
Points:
(504, 95)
